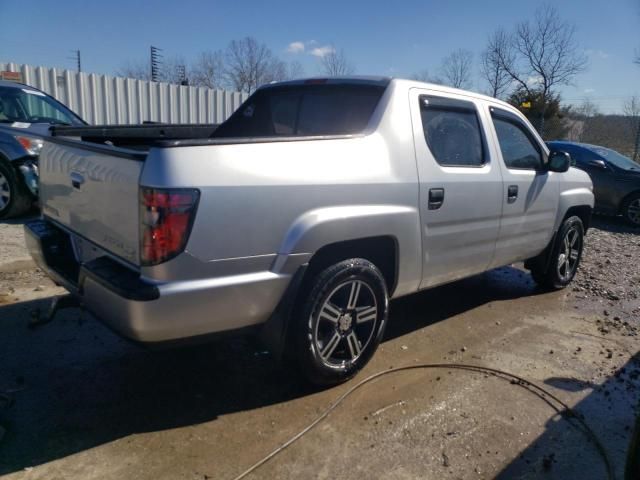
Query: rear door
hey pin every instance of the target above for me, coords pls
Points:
(460, 185)
(530, 197)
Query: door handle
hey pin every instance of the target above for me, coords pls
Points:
(436, 198)
(77, 179)
(512, 193)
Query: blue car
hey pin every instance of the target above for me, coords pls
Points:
(26, 114)
(616, 178)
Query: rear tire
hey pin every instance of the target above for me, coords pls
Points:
(15, 198)
(339, 322)
(631, 210)
(566, 253)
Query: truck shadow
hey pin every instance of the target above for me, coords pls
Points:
(74, 385)
(437, 304)
(564, 451)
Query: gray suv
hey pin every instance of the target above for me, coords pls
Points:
(26, 114)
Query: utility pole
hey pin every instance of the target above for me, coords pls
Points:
(182, 73)
(76, 57)
(156, 61)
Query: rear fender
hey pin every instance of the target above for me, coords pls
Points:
(317, 228)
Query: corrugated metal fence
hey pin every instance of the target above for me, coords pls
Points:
(103, 100)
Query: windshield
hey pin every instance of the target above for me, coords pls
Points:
(303, 110)
(616, 158)
(27, 105)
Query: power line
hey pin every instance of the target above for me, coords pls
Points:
(600, 97)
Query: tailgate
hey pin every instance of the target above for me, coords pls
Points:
(93, 190)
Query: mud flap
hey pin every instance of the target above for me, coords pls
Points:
(273, 333)
(543, 259)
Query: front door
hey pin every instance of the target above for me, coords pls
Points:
(531, 194)
(460, 185)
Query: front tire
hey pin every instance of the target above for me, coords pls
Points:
(340, 321)
(15, 199)
(631, 210)
(566, 253)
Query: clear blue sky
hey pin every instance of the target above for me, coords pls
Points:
(395, 38)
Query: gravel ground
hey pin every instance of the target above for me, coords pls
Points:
(608, 280)
(12, 243)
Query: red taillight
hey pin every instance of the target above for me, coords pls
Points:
(166, 216)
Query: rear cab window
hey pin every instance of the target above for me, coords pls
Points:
(304, 110)
(453, 131)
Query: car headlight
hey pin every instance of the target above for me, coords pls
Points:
(32, 145)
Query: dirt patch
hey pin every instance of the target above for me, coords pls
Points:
(12, 241)
(20, 279)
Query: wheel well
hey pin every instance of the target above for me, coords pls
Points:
(542, 260)
(583, 212)
(626, 199)
(382, 251)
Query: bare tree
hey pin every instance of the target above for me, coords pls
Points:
(543, 55)
(279, 71)
(335, 63)
(492, 61)
(296, 70)
(587, 109)
(579, 122)
(249, 64)
(425, 76)
(172, 70)
(456, 68)
(208, 70)
(134, 69)
(631, 109)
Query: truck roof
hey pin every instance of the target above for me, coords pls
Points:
(351, 79)
(383, 82)
(445, 89)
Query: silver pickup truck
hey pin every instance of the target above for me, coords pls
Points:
(302, 215)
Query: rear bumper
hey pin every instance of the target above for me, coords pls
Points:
(150, 312)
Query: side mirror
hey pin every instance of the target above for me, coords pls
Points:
(598, 164)
(559, 161)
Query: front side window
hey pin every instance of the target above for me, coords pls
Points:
(518, 149)
(452, 132)
(616, 158)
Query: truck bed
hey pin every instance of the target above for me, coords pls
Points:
(138, 137)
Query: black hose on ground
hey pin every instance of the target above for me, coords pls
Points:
(545, 395)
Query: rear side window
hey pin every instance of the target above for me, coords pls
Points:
(452, 132)
(284, 111)
(303, 110)
(518, 149)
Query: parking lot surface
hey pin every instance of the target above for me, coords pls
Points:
(77, 402)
